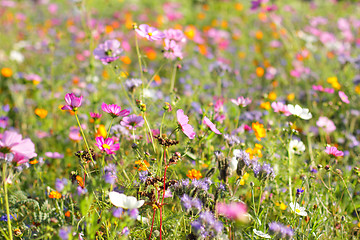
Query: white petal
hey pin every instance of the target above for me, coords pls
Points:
(118, 199)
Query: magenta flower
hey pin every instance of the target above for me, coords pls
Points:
(132, 122)
(326, 124)
(95, 115)
(212, 126)
(74, 134)
(175, 34)
(20, 150)
(183, 120)
(107, 145)
(234, 211)
(150, 33)
(280, 107)
(54, 155)
(72, 101)
(241, 101)
(108, 51)
(334, 151)
(172, 50)
(114, 110)
(343, 97)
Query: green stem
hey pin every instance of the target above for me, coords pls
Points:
(150, 133)
(173, 76)
(290, 172)
(107, 133)
(7, 202)
(83, 135)
(237, 119)
(156, 73)
(140, 66)
(162, 121)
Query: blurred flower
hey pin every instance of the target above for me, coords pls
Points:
(107, 145)
(64, 233)
(206, 226)
(132, 122)
(241, 101)
(280, 107)
(326, 124)
(279, 230)
(42, 113)
(55, 194)
(295, 207)
(95, 115)
(108, 51)
(296, 146)
(6, 72)
(150, 33)
(132, 84)
(21, 149)
(259, 130)
(189, 202)
(54, 155)
(4, 122)
(60, 184)
(194, 174)
(74, 134)
(72, 101)
(125, 202)
(114, 110)
(334, 151)
(212, 126)
(172, 50)
(36, 79)
(343, 97)
(300, 112)
(142, 165)
(234, 211)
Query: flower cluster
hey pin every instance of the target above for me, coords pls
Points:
(206, 226)
(280, 231)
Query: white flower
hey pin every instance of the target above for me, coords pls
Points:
(16, 56)
(296, 146)
(300, 112)
(233, 165)
(123, 201)
(143, 219)
(295, 207)
(261, 234)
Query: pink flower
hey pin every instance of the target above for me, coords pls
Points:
(20, 149)
(114, 110)
(280, 107)
(132, 122)
(343, 97)
(326, 124)
(95, 115)
(241, 101)
(175, 34)
(54, 155)
(333, 151)
(72, 101)
(172, 50)
(212, 126)
(107, 145)
(74, 134)
(183, 120)
(234, 211)
(150, 33)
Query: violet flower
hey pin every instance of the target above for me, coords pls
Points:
(114, 110)
(107, 145)
(150, 33)
(72, 101)
(108, 51)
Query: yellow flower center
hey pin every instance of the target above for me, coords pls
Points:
(150, 34)
(106, 146)
(297, 210)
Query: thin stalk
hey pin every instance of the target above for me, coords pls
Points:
(83, 135)
(140, 66)
(107, 133)
(153, 77)
(150, 133)
(152, 223)
(290, 172)
(237, 119)
(173, 76)
(162, 121)
(7, 202)
(163, 196)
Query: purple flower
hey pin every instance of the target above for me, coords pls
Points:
(107, 145)
(81, 191)
(60, 184)
(64, 233)
(186, 202)
(117, 212)
(72, 101)
(143, 175)
(114, 110)
(95, 115)
(4, 122)
(280, 231)
(133, 213)
(108, 51)
(132, 122)
(150, 33)
(133, 83)
(54, 155)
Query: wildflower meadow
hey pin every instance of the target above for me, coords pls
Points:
(193, 119)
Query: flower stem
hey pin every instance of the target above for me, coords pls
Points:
(173, 76)
(7, 202)
(107, 133)
(163, 196)
(152, 224)
(83, 135)
(140, 66)
(150, 133)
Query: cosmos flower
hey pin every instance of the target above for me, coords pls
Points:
(296, 146)
(13, 147)
(132, 122)
(172, 50)
(54, 155)
(300, 112)
(183, 121)
(295, 207)
(72, 101)
(108, 51)
(114, 110)
(107, 145)
(125, 202)
(150, 33)
(241, 101)
(326, 124)
(343, 97)
(235, 211)
(334, 151)
(212, 126)
(280, 107)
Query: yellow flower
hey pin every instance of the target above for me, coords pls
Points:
(193, 173)
(259, 130)
(357, 89)
(265, 105)
(42, 113)
(259, 35)
(55, 194)
(272, 96)
(142, 165)
(6, 72)
(283, 206)
(101, 131)
(290, 97)
(244, 178)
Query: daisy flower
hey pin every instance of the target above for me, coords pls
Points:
(295, 207)
(241, 101)
(296, 146)
(108, 51)
(125, 202)
(261, 234)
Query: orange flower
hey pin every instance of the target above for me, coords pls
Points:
(192, 174)
(260, 71)
(35, 161)
(42, 113)
(259, 130)
(272, 96)
(265, 105)
(256, 151)
(67, 214)
(101, 131)
(142, 165)
(6, 72)
(55, 194)
(259, 35)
